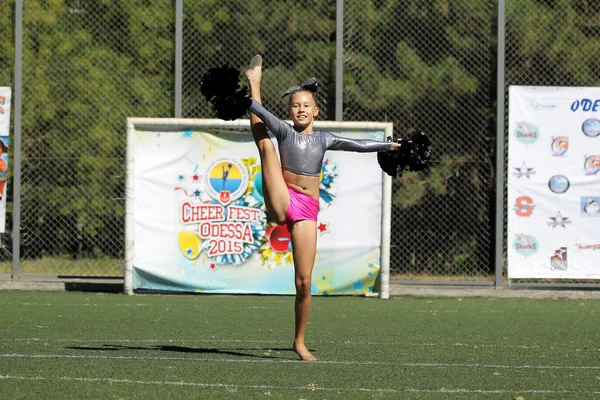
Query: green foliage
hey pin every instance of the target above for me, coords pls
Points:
(7, 47)
(87, 67)
(435, 182)
(553, 45)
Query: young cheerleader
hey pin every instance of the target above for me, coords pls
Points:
(291, 187)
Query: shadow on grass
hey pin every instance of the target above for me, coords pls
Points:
(181, 349)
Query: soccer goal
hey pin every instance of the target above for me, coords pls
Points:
(196, 219)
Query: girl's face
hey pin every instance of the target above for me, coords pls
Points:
(303, 109)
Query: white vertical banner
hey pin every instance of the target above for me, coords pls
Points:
(553, 197)
(5, 100)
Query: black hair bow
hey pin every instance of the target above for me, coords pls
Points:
(311, 85)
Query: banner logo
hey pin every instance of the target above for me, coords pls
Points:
(590, 206)
(558, 262)
(560, 146)
(591, 165)
(525, 245)
(537, 106)
(526, 133)
(559, 184)
(583, 247)
(279, 238)
(524, 206)
(559, 220)
(224, 223)
(523, 171)
(226, 180)
(591, 127)
(586, 105)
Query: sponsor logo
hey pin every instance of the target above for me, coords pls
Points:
(537, 106)
(559, 220)
(279, 238)
(524, 206)
(525, 245)
(591, 127)
(558, 184)
(220, 223)
(523, 171)
(591, 165)
(226, 180)
(590, 206)
(585, 105)
(560, 146)
(558, 262)
(584, 247)
(526, 133)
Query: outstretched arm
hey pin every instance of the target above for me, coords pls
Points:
(278, 127)
(359, 145)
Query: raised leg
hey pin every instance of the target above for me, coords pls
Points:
(304, 247)
(275, 192)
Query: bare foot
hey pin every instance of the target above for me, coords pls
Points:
(303, 353)
(254, 71)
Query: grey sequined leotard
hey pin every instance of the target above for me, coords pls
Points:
(303, 153)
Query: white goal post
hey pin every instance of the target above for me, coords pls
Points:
(152, 127)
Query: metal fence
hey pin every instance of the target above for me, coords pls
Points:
(433, 64)
(425, 65)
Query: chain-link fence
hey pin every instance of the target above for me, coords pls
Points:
(425, 65)
(87, 65)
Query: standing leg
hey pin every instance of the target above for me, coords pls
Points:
(275, 192)
(304, 248)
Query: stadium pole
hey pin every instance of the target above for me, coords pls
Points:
(339, 61)
(499, 251)
(16, 246)
(178, 55)
(129, 202)
(386, 228)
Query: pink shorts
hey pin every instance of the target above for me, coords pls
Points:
(302, 207)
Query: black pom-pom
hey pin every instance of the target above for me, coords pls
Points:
(218, 82)
(221, 87)
(420, 151)
(232, 107)
(414, 153)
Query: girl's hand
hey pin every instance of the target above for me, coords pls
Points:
(396, 146)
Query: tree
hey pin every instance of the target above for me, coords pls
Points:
(87, 66)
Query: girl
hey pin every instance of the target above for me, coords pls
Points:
(291, 187)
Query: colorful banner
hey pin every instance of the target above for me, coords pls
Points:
(200, 223)
(554, 182)
(5, 100)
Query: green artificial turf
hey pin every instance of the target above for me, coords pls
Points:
(66, 345)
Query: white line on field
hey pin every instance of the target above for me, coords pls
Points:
(134, 305)
(272, 360)
(281, 307)
(231, 387)
(347, 342)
